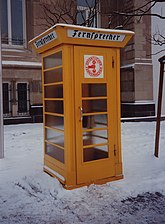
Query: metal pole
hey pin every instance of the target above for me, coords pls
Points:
(161, 60)
(1, 102)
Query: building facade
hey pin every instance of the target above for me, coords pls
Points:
(136, 60)
(158, 50)
(22, 90)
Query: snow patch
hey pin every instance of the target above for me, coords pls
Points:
(28, 195)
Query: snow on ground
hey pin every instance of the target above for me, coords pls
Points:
(28, 195)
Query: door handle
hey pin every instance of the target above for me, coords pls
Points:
(81, 113)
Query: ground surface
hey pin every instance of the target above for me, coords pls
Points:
(27, 195)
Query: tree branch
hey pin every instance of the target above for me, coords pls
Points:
(138, 14)
(157, 52)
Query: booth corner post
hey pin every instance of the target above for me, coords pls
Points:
(159, 107)
(1, 101)
(81, 103)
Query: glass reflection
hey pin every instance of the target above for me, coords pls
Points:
(17, 22)
(95, 153)
(54, 106)
(53, 76)
(94, 121)
(55, 152)
(92, 137)
(95, 137)
(54, 122)
(91, 106)
(54, 91)
(94, 90)
(54, 137)
(53, 60)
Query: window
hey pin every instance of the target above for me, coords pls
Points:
(12, 20)
(23, 98)
(86, 3)
(87, 12)
(6, 99)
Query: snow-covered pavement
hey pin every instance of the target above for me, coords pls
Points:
(28, 195)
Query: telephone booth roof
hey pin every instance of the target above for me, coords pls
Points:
(80, 35)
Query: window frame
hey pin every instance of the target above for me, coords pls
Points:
(9, 24)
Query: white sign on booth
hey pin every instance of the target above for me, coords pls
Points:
(93, 66)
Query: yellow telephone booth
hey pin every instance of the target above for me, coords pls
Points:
(81, 100)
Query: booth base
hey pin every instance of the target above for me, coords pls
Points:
(55, 175)
(97, 182)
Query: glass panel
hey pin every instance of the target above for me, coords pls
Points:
(54, 91)
(81, 17)
(54, 107)
(53, 76)
(87, 12)
(55, 152)
(54, 122)
(17, 22)
(92, 90)
(55, 137)
(95, 153)
(95, 137)
(5, 98)
(22, 97)
(53, 60)
(88, 3)
(4, 21)
(90, 106)
(94, 121)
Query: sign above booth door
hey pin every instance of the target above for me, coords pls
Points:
(93, 66)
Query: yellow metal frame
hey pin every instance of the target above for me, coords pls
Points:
(74, 42)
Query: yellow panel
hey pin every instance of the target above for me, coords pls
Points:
(69, 115)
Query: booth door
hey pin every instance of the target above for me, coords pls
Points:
(95, 103)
